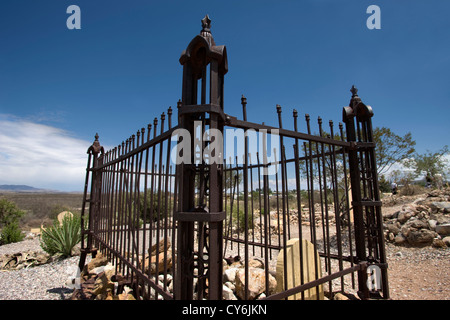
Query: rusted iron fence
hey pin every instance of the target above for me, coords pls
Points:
(170, 203)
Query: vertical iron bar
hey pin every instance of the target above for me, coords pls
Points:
(244, 111)
(299, 207)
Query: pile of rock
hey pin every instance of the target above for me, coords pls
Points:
(275, 219)
(22, 260)
(157, 259)
(98, 281)
(424, 222)
(234, 280)
(319, 216)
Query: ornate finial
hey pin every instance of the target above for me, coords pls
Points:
(206, 24)
(354, 91)
(96, 148)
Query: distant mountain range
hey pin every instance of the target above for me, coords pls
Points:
(20, 188)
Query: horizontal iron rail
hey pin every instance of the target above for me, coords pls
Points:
(234, 122)
(162, 137)
(315, 283)
(278, 162)
(162, 174)
(253, 243)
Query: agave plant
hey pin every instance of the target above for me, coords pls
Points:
(61, 237)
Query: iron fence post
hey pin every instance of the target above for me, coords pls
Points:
(355, 181)
(94, 199)
(364, 181)
(200, 54)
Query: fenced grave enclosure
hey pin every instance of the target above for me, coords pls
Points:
(170, 203)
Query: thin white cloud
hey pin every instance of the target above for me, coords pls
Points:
(41, 156)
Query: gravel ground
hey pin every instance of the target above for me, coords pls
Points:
(418, 273)
(414, 274)
(45, 282)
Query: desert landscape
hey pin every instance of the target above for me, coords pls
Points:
(418, 270)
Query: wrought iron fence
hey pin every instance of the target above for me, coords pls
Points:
(169, 204)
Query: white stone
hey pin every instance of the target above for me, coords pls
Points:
(227, 293)
(230, 274)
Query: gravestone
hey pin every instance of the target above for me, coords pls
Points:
(295, 269)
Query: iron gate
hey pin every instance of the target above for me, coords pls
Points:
(170, 203)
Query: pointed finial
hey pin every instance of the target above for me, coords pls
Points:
(206, 24)
(354, 91)
(96, 148)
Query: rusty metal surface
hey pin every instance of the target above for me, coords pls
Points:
(198, 213)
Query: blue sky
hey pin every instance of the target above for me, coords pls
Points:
(58, 87)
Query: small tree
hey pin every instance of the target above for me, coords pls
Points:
(9, 213)
(9, 222)
(391, 148)
(430, 164)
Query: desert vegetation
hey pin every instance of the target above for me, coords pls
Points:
(40, 209)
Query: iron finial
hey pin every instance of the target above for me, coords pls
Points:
(206, 24)
(243, 100)
(354, 91)
(278, 108)
(96, 148)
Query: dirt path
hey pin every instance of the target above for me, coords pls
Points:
(418, 273)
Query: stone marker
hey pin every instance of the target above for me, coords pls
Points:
(294, 269)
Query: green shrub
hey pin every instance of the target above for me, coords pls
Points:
(9, 222)
(60, 239)
(9, 213)
(149, 206)
(411, 190)
(239, 218)
(11, 233)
